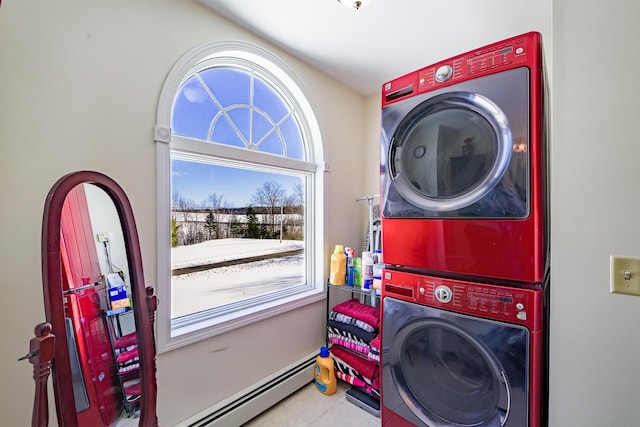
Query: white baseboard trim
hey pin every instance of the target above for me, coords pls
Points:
(253, 400)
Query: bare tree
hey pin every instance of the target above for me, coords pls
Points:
(182, 210)
(214, 201)
(298, 194)
(213, 204)
(290, 203)
(294, 206)
(271, 196)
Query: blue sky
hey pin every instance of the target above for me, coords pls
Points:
(196, 181)
(253, 110)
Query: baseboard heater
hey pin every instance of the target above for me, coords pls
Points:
(255, 399)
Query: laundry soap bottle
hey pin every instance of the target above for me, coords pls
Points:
(325, 376)
(338, 273)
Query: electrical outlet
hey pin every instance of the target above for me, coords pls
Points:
(104, 236)
(625, 275)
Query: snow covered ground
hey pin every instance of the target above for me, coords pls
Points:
(220, 250)
(215, 287)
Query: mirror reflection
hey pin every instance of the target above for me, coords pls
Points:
(98, 310)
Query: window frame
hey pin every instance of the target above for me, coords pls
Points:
(269, 67)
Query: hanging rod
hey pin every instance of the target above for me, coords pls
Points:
(369, 197)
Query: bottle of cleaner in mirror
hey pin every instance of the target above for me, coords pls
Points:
(325, 376)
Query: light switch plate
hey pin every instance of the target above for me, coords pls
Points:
(625, 275)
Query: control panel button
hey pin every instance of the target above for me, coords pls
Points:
(522, 315)
(520, 306)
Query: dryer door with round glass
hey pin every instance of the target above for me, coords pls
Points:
(458, 152)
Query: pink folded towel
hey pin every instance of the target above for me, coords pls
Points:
(366, 368)
(126, 341)
(354, 308)
(128, 356)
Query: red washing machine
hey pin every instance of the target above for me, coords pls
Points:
(459, 353)
(463, 165)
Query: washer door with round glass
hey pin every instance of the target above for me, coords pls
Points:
(448, 369)
(459, 152)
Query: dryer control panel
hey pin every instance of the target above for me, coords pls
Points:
(511, 304)
(520, 51)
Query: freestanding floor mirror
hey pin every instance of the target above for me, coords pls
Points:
(97, 340)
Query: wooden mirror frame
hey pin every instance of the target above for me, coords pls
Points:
(144, 301)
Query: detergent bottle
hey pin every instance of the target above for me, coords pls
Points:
(325, 376)
(338, 274)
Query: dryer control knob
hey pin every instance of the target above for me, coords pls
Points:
(443, 294)
(443, 73)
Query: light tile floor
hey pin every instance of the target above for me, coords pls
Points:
(309, 408)
(126, 421)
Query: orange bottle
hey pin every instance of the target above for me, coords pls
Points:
(325, 376)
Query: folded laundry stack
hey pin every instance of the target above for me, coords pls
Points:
(125, 341)
(353, 330)
(128, 364)
(374, 352)
(128, 360)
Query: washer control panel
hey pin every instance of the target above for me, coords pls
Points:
(512, 304)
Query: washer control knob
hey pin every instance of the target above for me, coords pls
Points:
(421, 290)
(443, 73)
(520, 306)
(443, 294)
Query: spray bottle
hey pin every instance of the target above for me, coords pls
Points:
(350, 254)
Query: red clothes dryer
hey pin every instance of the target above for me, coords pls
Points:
(459, 353)
(463, 165)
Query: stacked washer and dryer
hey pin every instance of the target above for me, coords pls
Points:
(465, 235)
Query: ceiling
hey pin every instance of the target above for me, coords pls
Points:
(388, 38)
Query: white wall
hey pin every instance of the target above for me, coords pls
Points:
(79, 86)
(104, 218)
(595, 342)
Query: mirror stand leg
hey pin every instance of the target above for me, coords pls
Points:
(41, 353)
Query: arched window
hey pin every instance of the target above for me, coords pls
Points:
(240, 193)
